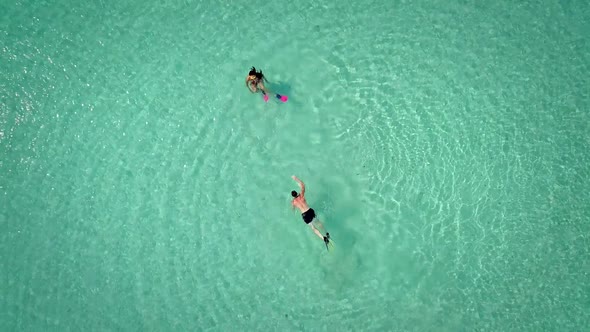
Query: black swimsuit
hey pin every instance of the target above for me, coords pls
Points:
(308, 215)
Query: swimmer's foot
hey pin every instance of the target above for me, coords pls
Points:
(327, 240)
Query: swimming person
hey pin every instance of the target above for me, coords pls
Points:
(307, 213)
(255, 80)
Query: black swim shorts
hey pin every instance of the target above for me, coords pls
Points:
(308, 215)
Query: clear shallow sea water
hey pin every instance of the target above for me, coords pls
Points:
(443, 145)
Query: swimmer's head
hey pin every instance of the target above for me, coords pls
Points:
(294, 193)
(254, 72)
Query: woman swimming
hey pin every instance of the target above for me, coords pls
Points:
(255, 80)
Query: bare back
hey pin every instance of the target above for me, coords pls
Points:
(300, 203)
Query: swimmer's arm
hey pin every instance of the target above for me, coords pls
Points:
(301, 184)
(250, 87)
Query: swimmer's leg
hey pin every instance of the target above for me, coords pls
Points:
(263, 88)
(319, 223)
(315, 230)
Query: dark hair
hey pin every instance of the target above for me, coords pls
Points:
(294, 193)
(258, 73)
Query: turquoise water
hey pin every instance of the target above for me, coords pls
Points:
(443, 145)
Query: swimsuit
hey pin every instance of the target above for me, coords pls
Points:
(308, 215)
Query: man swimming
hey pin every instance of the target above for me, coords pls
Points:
(255, 80)
(307, 213)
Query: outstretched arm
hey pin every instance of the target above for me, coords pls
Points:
(301, 184)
